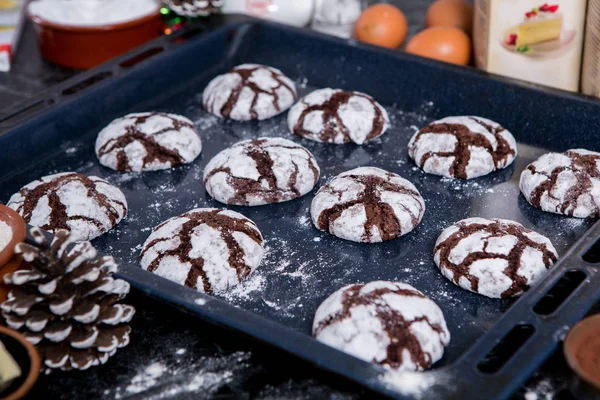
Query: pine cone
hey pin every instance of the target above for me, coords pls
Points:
(194, 8)
(65, 301)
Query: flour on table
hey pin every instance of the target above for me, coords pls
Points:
(147, 378)
(162, 380)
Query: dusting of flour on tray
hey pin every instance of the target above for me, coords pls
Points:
(5, 235)
(91, 12)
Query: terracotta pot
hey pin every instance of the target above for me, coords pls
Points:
(85, 47)
(28, 359)
(582, 352)
(8, 261)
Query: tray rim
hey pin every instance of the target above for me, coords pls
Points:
(347, 366)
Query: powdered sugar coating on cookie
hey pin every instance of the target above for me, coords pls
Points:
(462, 147)
(87, 206)
(249, 92)
(387, 323)
(194, 8)
(493, 257)
(206, 249)
(337, 116)
(564, 183)
(262, 171)
(367, 205)
(148, 141)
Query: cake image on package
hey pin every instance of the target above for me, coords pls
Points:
(542, 31)
(531, 40)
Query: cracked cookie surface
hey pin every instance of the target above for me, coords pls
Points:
(261, 171)
(87, 206)
(367, 205)
(249, 92)
(564, 183)
(337, 116)
(148, 142)
(206, 249)
(462, 147)
(493, 257)
(391, 324)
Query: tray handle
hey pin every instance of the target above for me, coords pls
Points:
(529, 332)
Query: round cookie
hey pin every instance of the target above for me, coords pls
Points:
(337, 116)
(148, 141)
(462, 147)
(261, 171)
(194, 8)
(367, 205)
(206, 249)
(564, 183)
(249, 92)
(87, 206)
(387, 323)
(493, 257)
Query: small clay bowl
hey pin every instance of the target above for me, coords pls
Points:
(26, 357)
(8, 261)
(17, 224)
(84, 47)
(582, 352)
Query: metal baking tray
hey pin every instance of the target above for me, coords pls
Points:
(496, 344)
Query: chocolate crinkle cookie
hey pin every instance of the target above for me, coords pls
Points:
(387, 323)
(87, 206)
(367, 205)
(206, 249)
(493, 257)
(194, 8)
(337, 116)
(564, 183)
(249, 92)
(148, 141)
(262, 171)
(462, 147)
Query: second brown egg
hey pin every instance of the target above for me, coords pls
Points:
(457, 13)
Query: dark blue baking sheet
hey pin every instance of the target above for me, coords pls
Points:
(303, 265)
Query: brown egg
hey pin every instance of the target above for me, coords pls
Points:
(458, 13)
(444, 43)
(382, 25)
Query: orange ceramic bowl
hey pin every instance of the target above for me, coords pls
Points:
(582, 352)
(84, 47)
(17, 224)
(8, 261)
(28, 359)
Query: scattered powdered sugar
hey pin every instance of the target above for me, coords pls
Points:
(304, 220)
(414, 384)
(200, 301)
(92, 12)
(6, 235)
(146, 378)
(165, 380)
